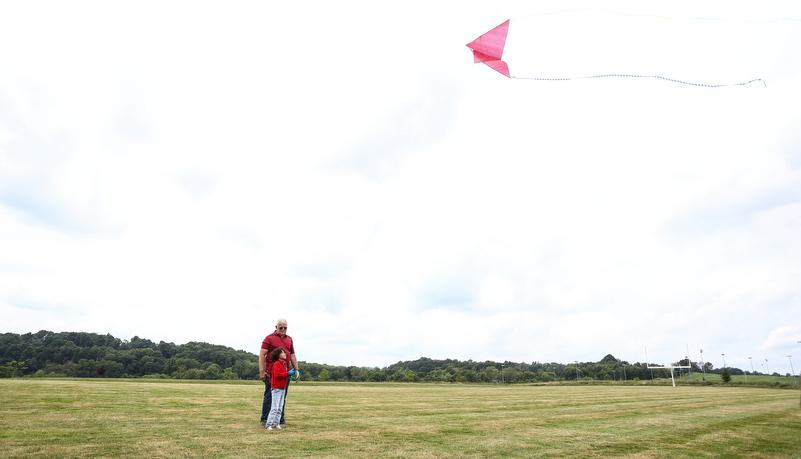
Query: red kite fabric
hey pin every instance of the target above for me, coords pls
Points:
(488, 48)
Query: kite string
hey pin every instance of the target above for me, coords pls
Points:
(576, 10)
(643, 76)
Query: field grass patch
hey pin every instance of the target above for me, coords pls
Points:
(162, 418)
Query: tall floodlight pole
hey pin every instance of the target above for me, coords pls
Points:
(503, 380)
(688, 362)
(752, 368)
(689, 370)
(576, 370)
(703, 365)
(724, 360)
(768, 368)
(746, 376)
(792, 370)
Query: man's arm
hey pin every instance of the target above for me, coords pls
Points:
(294, 361)
(262, 363)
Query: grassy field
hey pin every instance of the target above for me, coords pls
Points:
(137, 418)
(758, 380)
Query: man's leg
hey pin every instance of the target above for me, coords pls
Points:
(266, 404)
(284, 404)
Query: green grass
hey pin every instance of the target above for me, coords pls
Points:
(758, 380)
(172, 418)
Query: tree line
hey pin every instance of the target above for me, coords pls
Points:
(92, 355)
(86, 355)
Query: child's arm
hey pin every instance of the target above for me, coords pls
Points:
(279, 369)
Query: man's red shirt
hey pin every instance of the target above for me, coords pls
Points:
(273, 341)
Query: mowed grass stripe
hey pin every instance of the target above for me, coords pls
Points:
(133, 418)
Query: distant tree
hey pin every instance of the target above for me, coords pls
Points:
(725, 376)
(491, 373)
(86, 368)
(213, 372)
(246, 369)
(14, 367)
(193, 373)
(469, 376)
(310, 371)
(113, 369)
(323, 376)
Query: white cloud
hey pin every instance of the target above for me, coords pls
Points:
(189, 172)
(783, 337)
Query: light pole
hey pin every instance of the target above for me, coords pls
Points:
(724, 360)
(503, 380)
(768, 368)
(746, 376)
(752, 368)
(689, 370)
(792, 370)
(703, 365)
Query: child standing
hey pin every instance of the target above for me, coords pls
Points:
(278, 379)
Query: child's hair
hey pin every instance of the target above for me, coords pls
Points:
(276, 353)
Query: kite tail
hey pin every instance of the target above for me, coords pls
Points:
(643, 76)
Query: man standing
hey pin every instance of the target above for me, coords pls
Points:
(279, 338)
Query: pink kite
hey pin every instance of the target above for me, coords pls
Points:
(488, 48)
(621, 46)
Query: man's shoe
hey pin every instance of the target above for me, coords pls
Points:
(284, 423)
(263, 423)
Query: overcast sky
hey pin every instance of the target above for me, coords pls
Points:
(192, 171)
